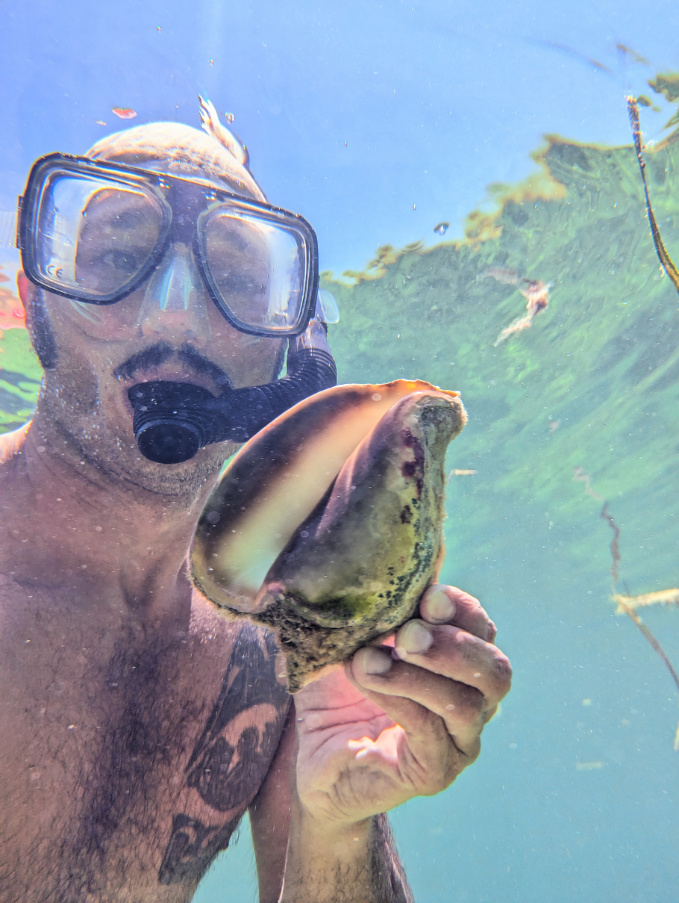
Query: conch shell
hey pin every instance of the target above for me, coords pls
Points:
(327, 525)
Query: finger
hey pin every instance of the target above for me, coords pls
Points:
(457, 654)
(441, 604)
(426, 755)
(413, 697)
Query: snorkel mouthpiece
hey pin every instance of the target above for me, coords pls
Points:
(170, 423)
(173, 420)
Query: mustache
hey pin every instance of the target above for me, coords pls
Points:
(161, 352)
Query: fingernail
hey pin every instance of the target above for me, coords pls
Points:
(373, 661)
(413, 638)
(439, 606)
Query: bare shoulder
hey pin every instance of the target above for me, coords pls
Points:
(12, 475)
(243, 645)
(12, 443)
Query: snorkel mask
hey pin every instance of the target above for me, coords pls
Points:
(94, 231)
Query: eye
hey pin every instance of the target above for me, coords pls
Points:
(240, 284)
(118, 259)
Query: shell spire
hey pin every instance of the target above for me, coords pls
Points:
(211, 124)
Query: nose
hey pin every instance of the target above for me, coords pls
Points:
(176, 304)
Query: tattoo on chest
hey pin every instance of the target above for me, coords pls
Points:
(232, 756)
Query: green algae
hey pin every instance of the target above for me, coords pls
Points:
(20, 376)
(592, 384)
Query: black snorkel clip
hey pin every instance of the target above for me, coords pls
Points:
(173, 420)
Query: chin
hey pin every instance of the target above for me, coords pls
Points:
(185, 482)
(117, 461)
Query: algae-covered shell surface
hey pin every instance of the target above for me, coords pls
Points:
(327, 525)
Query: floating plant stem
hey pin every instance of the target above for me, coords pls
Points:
(628, 604)
(615, 544)
(660, 597)
(663, 256)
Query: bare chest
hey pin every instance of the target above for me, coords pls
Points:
(126, 762)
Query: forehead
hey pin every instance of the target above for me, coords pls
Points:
(197, 176)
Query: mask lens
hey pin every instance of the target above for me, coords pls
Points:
(258, 269)
(93, 236)
(93, 232)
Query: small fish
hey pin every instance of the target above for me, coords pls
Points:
(442, 228)
(535, 292)
(211, 124)
(590, 766)
(124, 112)
(522, 323)
(537, 295)
(459, 472)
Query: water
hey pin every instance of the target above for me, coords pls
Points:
(377, 124)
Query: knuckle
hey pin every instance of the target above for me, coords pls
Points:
(502, 673)
(447, 768)
(466, 644)
(491, 631)
(424, 723)
(472, 604)
(463, 598)
(445, 778)
(467, 706)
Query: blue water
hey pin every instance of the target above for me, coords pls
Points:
(377, 121)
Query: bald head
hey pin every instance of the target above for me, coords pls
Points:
(180, 150)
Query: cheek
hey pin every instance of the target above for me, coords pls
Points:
(249, 361)
(102, 321)
(75, 384)
(41, 332)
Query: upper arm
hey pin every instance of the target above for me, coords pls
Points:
(270, 816)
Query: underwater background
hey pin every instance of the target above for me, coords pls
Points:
(481, 220)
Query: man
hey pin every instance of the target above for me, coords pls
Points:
(136, 726)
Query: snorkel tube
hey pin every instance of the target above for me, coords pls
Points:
(173, 420)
